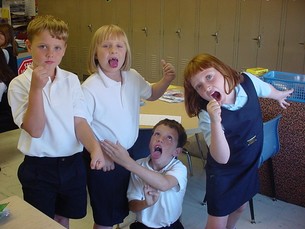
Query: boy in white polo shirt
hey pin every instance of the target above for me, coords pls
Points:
(48, 105)
(158, 182)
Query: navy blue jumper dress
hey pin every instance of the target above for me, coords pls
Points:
(231, 185)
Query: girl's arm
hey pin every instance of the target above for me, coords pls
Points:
(266, 90)
(280, 96)
(219, 147)
(160, 87)
(86, 136)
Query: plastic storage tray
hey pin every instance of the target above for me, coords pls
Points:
(286, 80)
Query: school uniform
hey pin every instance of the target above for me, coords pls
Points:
(113, 109)
(168, 209)
(232, 184)
(53, 172)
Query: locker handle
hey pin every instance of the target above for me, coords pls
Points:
(258, 40)
(145, 30)
(90, 27)
(178, 32)
(216, 37)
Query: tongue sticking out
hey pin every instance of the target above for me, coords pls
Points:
(216, 95)
(113, 63)
(157, 153)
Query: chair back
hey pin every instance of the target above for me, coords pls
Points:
(141, 147)
(271, 143)
(196, 146)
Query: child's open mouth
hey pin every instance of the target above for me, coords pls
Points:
(157, 152)
(216, 95)
(113, 62)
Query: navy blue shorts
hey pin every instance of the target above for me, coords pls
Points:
(55, 185)
(108, 194)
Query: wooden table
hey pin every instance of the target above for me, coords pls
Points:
(25, 216)
(162, 108)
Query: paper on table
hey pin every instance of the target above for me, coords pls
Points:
(173, 96)
(152, 119)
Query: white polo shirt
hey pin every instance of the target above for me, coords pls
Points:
(114, 107)
(63, 100)
(168, 208)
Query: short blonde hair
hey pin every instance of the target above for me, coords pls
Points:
(104, 33)
(56, 27)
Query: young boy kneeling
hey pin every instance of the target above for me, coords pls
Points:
(158, 182)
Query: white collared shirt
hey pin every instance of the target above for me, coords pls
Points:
(114, 107)
(168, 208)
(63, 100)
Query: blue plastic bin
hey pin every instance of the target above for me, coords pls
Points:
(286, 80)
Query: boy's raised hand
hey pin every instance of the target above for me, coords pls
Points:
(40, 77)
(169, 72)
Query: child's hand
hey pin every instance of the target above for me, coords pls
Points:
(116, 152)
(169, 72)
(97, 160)
(109, 164)
(151, 195)
(40, 77)
(282, 98)
(214, 110)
